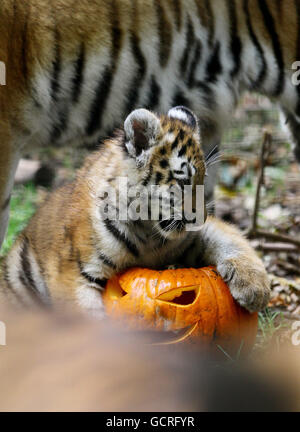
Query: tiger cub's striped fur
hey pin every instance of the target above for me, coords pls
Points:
(69, 249)
(75, 69)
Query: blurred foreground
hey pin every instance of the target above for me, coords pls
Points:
(66, 362)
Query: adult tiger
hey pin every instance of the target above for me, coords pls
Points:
(75, 69)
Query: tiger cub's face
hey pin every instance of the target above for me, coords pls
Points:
(168, 155)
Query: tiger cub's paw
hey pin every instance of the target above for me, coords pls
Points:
(248, 282)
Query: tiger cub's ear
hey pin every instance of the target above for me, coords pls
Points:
(142, 129)
(185, 115)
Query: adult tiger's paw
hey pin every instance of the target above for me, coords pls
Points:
(248, 282)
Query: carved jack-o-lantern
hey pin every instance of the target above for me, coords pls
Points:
(196, 303)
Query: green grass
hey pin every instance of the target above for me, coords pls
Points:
(270, 325)
(232, 358)
(23, 205)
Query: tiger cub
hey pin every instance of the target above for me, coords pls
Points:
(76, 69)
(70, 248)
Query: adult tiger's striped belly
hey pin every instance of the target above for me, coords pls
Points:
(142, 54)
(156, 54)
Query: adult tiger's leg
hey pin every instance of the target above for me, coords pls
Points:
(211, 140)
(9, 158)
(293, 126)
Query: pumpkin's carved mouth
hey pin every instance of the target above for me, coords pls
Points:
(181, 335)
(180, 296)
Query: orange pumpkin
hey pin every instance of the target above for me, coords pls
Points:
(196, 302)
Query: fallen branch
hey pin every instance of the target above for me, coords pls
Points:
(273, 236)
(276, 247)
(288, 266)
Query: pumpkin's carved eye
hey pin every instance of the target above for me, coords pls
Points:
(180, 296)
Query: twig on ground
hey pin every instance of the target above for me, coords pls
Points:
(288, 315)
(285, 282)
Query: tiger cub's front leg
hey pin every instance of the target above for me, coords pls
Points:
(222, 245)
(88, 288)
